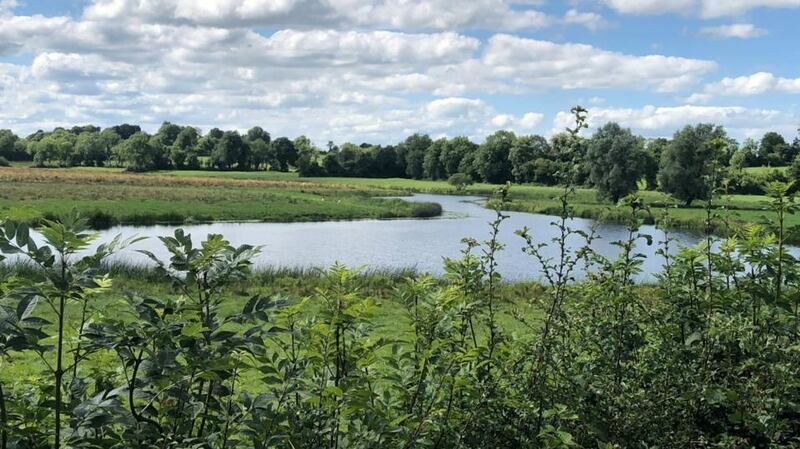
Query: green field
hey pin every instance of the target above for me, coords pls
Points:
(109, 197)
(543, 199)
(187, 196)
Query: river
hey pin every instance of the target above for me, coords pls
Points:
(405, 243)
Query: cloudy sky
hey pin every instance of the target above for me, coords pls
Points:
(378, 70)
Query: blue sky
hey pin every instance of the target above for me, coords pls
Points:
(378, 70)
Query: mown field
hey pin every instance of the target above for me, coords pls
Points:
(109, 197)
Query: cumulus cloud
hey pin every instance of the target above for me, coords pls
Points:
(745, 86)
(537, 64)
(655, 121)
(704, 8)
(590, 20)
(736, 30)
(397, 14)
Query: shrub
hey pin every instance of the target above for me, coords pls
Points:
(460, 181)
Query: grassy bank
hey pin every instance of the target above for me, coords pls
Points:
(733, 209)
(110, 197)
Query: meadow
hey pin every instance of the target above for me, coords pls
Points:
(110, 197)
(730, 211)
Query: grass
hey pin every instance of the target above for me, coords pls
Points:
(194, 195)
(764, 170)
(109, 197)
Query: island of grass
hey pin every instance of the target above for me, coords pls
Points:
(111, 197)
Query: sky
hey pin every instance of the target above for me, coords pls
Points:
(377, 71)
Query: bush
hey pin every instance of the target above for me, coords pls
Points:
(4, 162)
(426, 210)
(460, 181)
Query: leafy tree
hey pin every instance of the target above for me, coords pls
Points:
(653, 150)
(524, 151)
(229, 151)
(91, 148)
(688, 161)
(413, 152)
(77, 130)
(331, 165)
(263, 154)
(11, 147)
(454, 153)
(125, 131)
(285, 153)
(257, 133)
(432, 165)
(109, 140)
(615, 162)
(492, 158)
(307, 164)
(773, 150)
(57, 147)
(182, 152)
(137, 154)
(386, 162)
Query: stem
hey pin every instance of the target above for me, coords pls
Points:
(59, 373)
(3, 418)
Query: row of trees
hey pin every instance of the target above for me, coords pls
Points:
(613, 160)
(172, 146)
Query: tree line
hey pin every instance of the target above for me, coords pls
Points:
(613, 160)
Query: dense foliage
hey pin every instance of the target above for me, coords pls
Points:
(613, 160)
(705, 357)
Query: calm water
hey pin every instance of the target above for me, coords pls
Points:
(376, 244)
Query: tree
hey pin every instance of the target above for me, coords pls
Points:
(229, 150)
(432, 166)
(652, 156)
(615, 162)
(182, 152)
(688, 161)
(262, 154)
(257, 133)
(56, 147)
(285, 153)
(492, 159)
(11, 147)
(386, 162)
(307, 157)
(773, 150)
(91, 149)
(413, 151)
(794, 171)
(109, 139)
(524, 151)
(125, 131)
(138, 154)
(454, 153)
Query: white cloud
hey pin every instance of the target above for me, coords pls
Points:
(651, 6)
(540, 64)
(745, 86)
(657, 121)
(704, 8)
(736, 30)
(590, 20)
(397, 14)
(719, 8)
